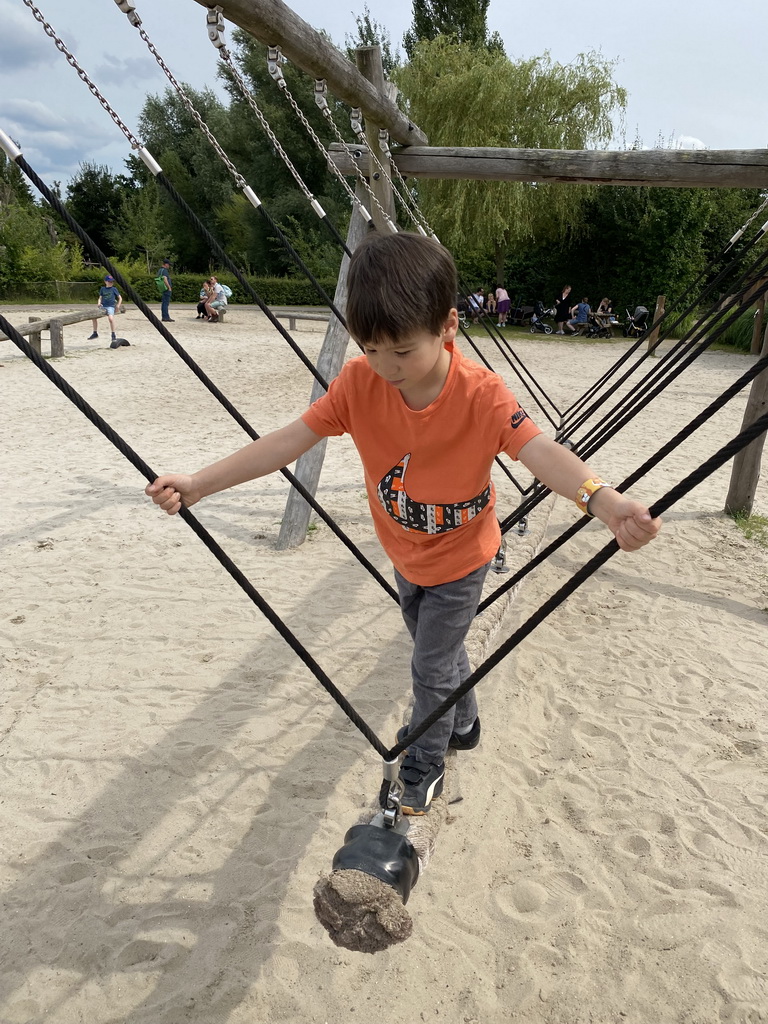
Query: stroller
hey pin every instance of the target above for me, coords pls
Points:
(637, 322)
(537, 319)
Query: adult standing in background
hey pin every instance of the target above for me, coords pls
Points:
(562, 309)
(502, 305)
(165, 298)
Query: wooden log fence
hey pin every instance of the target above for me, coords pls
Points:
(55, 326)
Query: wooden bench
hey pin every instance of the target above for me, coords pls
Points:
(55, 324)
(292, 316)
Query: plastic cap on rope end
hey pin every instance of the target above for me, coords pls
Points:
(10, 148)
(381, 853)
(318, 209)
(251, 196)
(149, 161)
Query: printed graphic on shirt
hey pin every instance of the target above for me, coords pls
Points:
(518, 418)
(417, 515)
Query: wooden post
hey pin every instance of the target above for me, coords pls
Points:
(293, 529)
(368, 59)
(746, 465)
(36, 337)
(653, 337)
(57, 339)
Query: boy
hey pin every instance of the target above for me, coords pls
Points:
(110, 300)
(427, 423)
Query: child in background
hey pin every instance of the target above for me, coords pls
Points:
(110, 300)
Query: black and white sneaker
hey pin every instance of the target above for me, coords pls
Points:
(466, 740)
(458, 741)
(423, 782)
(92, 336)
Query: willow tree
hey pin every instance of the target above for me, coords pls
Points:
(467, 95)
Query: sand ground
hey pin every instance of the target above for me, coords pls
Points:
(173, 780)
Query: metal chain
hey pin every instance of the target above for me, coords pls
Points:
(273, 63)
(135, 144)
(134, 19)
(407, 201)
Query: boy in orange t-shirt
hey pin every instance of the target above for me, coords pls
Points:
(428, 424)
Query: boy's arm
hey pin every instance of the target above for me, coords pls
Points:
(564, 472)
(260, 457)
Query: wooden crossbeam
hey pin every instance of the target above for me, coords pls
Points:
(664, 168)
(275, 24)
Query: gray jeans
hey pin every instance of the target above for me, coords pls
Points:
(438, 619)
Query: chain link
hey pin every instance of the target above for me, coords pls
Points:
(135, 144)
(237, 176)
(276, 74)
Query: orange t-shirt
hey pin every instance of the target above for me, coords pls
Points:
(428, 472)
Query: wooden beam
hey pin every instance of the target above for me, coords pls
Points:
(368, 60)
(274, 24)
(663, 168)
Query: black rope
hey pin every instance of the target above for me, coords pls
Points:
(723, 455)
(674, 442)
(211, 241)
(694, 303)
(586, 451)
(753, 273)
(216, 550)
(53, 200)
(699, 344)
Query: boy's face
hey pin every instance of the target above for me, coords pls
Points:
(416, 362)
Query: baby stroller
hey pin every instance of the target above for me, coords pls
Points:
(637, 322)
(537, 319)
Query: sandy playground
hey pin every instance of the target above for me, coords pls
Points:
(173, 781)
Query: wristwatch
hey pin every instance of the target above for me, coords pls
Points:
(586, 491)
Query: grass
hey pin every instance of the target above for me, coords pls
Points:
(754, 527)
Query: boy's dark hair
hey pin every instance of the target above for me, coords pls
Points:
(398, 284)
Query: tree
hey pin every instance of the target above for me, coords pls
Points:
(95, 199)
(138, 232)
(371, 33)
(463, 95)
(463, 21)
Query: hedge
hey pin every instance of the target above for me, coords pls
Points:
(275, 291)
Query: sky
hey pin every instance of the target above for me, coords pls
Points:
(694, 69)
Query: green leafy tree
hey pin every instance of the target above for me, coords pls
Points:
(95, 199)
(464, 21)
(463, 95)
(263, 167)
(372, 33)
(139, 231)
(190, 163)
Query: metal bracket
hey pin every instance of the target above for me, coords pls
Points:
(321, 95)
(499, 563)
(391, 811)
(356, 120)
(130, 10)
(274, 60)
(215, 21)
